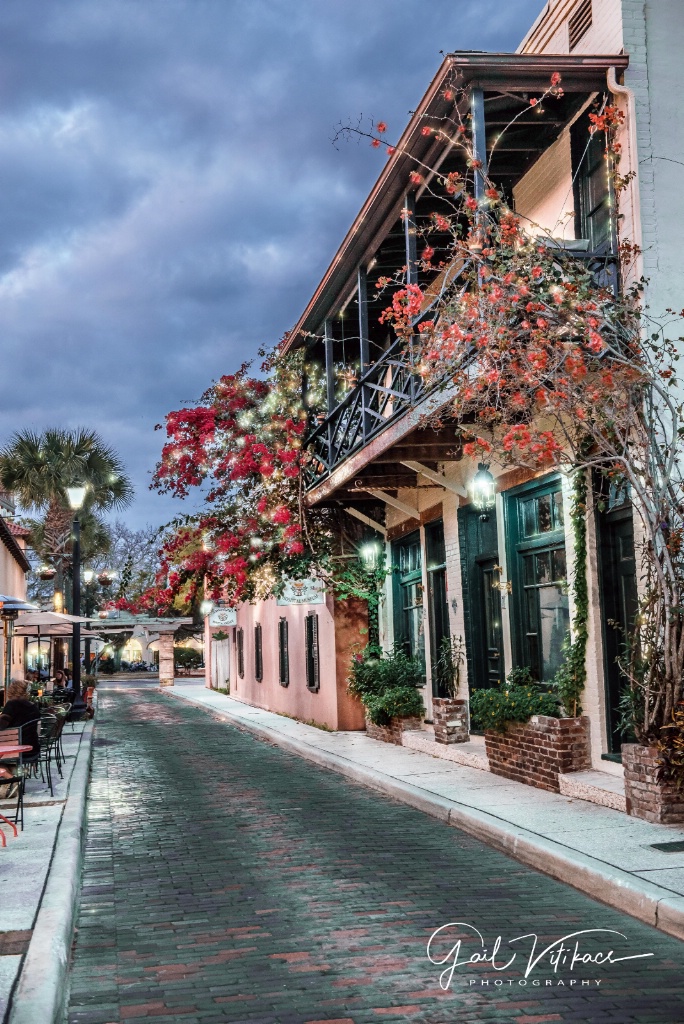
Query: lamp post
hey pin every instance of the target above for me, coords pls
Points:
(76, 496)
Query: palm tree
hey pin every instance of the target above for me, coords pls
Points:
(37, 469)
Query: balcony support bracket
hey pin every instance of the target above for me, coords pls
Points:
(395, 503)
(436, 478)
(374, 525)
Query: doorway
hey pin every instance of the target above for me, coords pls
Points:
(438, 610)
(619, 602)
(478, 538)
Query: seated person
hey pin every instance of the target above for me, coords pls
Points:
(17, 712)
(60, 685)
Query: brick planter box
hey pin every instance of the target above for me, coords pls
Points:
(392, 733)
(538, 751)
(646, 798)
(450, 718)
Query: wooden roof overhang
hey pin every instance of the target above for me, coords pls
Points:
(502, 76)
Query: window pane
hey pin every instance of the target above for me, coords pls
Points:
(544, 510)
(554, 625)
(544, 567)
(529, 513)
(529, 570)
(560, 571)
(558, 510)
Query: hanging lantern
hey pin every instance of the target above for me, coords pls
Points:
(369, 555)
(47, 572)
(484, 488)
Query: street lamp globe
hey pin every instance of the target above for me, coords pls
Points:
(206, 608)
(88, 576)
(76, 496)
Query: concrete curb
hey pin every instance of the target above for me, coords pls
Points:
(40, 992)
(650, 903)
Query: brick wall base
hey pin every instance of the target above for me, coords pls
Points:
(391, 733)
(646, 798)
(450, 718)
(538, 751)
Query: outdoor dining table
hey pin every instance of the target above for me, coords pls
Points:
(12, 749)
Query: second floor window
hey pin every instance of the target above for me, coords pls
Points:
(258, 654)
(313, 676)
(283, 653)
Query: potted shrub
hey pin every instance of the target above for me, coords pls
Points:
(525, 736)
(654, 772)
(449, 712)
(386, 685)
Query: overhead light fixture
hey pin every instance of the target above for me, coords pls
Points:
(484, 489)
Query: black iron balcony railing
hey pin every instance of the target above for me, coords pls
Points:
(392, 386)
(387, 390)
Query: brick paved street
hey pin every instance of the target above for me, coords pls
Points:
(228, 881)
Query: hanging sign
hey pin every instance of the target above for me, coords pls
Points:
(302, 592)
(223, 617)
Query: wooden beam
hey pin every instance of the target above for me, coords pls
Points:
(477, 109)
(410, 237)
(366, 519)
(408, 510)
(329, 367)
(436, 478)
(362, 291)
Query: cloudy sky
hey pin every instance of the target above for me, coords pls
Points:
(169, 194)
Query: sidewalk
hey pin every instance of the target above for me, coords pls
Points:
(28, 862)
(598, 850)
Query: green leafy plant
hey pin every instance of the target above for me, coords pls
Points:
(517, 700)
(571, 677)
(187, 657)
(671, 746)
(386, 684)
(450, 659)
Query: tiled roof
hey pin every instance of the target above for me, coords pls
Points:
(17, 530)
(10, 543)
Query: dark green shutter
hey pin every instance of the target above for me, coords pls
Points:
(283, 653)
(313, 679)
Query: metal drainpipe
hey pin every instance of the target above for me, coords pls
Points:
(623, 90)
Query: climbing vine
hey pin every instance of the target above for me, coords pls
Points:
(571, 676)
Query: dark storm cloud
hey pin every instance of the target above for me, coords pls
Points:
(169, 196)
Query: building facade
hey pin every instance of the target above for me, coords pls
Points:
(495, 582)
(14, 565)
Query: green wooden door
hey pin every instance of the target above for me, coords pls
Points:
(481, 599)
(619, 604)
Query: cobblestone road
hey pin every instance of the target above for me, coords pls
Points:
(226, 881)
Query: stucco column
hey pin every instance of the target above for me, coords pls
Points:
(166, 666)
(208, 652)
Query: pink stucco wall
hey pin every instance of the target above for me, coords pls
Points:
(330, 705)
(12, 582)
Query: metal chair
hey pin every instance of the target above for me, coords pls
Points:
(25, 765)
